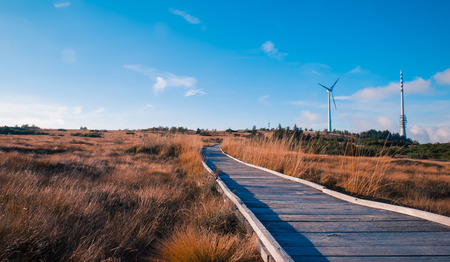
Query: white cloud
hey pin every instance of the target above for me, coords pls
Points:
(357, 70)
(193, 92)
(443, 78)
(309, 104)
(61, 4)
(363, 122)
(68, 56)
(310, 117)
(78, 110)
(417, 86)
(429, 134)
(385, 123)
(264, 100)
(98, 112)
(270, 50)
(160, 84)
(189, 18)
(25, 110)
(310, 120)
(149, 106)
(165, 79)
(342, 97)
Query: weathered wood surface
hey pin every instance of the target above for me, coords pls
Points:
(312, 226)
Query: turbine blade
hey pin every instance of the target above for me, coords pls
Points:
(334, 84)
(324, 87)
(333, 100)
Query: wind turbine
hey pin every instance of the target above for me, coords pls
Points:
(330, 91)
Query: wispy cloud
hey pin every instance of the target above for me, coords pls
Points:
(314, 68)
(149, 106)
(97, 112)
(61, 4)
(165, 79)
(78, 110)
(23, 110)
(270, 50)
(362, 122)
(443, 78)
(193, 92)
(189, 18)
(357, 70)
(309, 119)
(385, 123)
(426, 134)
(342, 97)
(308, 104)
(264, 100)
(417, 86)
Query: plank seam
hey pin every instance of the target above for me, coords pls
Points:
(444, 220)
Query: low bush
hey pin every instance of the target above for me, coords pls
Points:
(92, 134)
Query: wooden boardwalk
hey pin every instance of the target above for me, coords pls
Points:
(312, 226)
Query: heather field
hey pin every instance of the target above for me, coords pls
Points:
(125, 196)
(92, 195)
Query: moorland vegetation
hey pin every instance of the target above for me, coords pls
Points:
(144, 195)
(371, 165)
(123, 196)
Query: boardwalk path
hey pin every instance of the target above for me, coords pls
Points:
(312, 226)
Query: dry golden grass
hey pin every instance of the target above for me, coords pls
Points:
(421, 184)
(193, 245)
(91, 199)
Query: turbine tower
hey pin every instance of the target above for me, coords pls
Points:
(402, 116)
(330, 91)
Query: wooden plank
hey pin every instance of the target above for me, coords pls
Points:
(293, 202)
(362, 239)
(275, 195)
(372, 258)
(363, 251)
(359, 226)
(297, 211)
(324, 218)
(281, 194)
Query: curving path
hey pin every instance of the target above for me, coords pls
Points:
(312, 226)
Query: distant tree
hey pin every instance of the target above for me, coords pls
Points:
(279, 132)
(253, 132)
(229, 130)
(297, 133)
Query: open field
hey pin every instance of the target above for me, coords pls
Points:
(421, 184)
(144, 195)
(120, 196)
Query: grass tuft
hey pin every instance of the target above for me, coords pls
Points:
(200, 246)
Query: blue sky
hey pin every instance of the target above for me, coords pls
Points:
(220, 64)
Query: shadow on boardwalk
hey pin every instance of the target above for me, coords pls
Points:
(249, 199)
